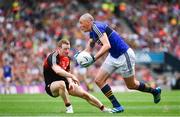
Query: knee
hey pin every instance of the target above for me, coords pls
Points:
(99, 82)
(62, 89)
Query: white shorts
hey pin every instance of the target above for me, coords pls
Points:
(124, 64)
(7, 79)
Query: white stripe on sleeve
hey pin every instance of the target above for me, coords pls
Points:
(98, 32)
(54, 60)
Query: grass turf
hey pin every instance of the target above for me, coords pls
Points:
(135, 104)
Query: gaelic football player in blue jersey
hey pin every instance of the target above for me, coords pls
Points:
(7, 72)
(121, 58)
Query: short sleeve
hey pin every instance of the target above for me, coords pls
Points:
(99, 29)
(52, 59)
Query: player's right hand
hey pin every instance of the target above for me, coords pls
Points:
(75, 79)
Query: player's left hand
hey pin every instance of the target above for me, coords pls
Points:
(76, 54)
(87, 64)
(71, 86)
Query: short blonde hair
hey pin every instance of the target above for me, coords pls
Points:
(86, 17)
(63, 41)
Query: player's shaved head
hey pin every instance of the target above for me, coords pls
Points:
(86, 17)
(86, 22)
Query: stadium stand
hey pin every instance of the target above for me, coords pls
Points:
(29, 30)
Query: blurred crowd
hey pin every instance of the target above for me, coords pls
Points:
(156, 24)
(30, 29)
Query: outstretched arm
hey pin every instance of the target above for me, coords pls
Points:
(58, 70)
(106, 46)
(79, 92)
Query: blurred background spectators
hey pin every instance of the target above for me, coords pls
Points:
(29, 30)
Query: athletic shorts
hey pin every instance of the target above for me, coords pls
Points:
(48, 90)
(55, 77)
(124, 64)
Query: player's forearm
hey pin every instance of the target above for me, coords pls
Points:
(61, 72)
(106, 46)
(69, 79)
(102, 51)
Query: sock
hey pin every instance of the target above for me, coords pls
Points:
(144, 88)
(108, 93)
(67, 105)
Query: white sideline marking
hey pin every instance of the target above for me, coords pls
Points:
(20, 100)
(89, 116)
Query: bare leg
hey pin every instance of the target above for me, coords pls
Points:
(132, 83)
(100, 80)
(7, 86)
(79, 92)
(58, 88)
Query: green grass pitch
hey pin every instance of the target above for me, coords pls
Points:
(135, 104)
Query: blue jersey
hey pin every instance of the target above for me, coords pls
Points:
(118, 46)
(7, 71)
